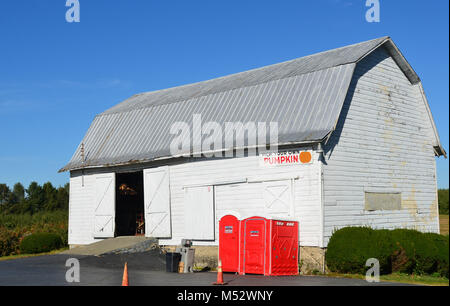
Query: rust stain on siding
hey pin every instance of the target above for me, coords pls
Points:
(412, 206)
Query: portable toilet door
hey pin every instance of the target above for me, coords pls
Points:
(229, 232)
(253, 245)
(284, 248)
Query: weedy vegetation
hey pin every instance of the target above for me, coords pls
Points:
(36, 210)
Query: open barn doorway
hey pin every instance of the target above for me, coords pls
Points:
(130, 204)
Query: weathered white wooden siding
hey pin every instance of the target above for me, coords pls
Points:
(383, 143)
(246, 199)
(231, 195)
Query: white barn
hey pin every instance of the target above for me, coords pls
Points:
(360, 111)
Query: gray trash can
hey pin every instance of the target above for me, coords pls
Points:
(187, 257)
(172, 262)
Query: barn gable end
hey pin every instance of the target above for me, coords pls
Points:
(383, 146)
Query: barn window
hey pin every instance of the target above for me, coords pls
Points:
(199, 213)
(383, 201)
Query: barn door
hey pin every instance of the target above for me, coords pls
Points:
(199, 213)
(157, 202)
(105, 205)
(278, 198)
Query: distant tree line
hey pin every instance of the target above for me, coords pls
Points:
(34, 199)
(443, 201)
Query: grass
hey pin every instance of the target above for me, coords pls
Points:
(19, 256)
(12, 221)
(427, 280)
(443, 221)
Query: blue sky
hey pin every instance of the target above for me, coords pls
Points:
(56, 76)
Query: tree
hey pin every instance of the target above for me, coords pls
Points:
(443, 201)
(35, 199)
(19, 192)
(16, 197)
(50, 202)
(4, 194)
(62, 197)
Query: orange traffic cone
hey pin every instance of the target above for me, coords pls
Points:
(125, 276)
(219, 275)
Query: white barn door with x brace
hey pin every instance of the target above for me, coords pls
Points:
(157, 202)
(278, 198)
(105, 205)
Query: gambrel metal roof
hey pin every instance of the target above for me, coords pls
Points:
(304, 96)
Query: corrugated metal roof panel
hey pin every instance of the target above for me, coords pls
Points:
(304, 106)
(303, 65)
(304, 96)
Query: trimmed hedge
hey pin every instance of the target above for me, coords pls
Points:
(40, 243)
(401, 250)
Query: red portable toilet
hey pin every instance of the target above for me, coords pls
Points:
(268, 247)
(253, 245)
(284, 248)
(229, 233)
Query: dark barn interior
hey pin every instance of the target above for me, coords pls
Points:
(129, 204)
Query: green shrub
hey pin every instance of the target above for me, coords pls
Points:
(426, 255)
(442, 252)
(40, 243)
(382, 250)
(349, 249)
(404, 252)
(401, 250)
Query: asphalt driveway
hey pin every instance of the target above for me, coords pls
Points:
(144, 269)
